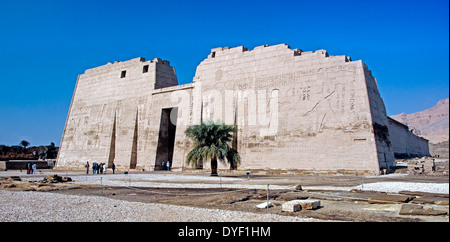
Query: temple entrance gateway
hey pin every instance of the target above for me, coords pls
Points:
(166, 138)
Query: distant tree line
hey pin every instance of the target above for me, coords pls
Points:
(24, 151)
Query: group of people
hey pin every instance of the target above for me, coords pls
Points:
(165, 165)
(99, 168)
(31, 168)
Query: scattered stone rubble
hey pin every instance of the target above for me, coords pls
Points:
(55, 179)
(415, 209)
(49, 183)
(297, 205)
(412, 202)
(427, 166)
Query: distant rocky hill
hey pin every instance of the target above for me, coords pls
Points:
(432, 124)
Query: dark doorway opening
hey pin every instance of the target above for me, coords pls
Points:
(166, 138)
(112, 148)
(133, 160)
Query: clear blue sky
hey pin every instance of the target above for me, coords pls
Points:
(45, 44)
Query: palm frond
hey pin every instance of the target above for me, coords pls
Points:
(211, 142)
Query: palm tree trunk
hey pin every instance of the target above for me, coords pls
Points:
(213, 166)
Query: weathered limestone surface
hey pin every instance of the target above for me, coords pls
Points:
(294, 110)
(264, 205)
(297, 205)
(291, 206)
(412, 209)
(405, 143)
(112, 117)
(389, 198)
(326, 108)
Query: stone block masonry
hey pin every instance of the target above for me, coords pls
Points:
(294, 110)
(297, 205)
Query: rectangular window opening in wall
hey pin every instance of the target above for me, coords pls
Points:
(145, 69)
(123, 74)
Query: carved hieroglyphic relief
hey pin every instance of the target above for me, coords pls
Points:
(293, 110)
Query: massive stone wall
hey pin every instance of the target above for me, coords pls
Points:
(294, 110)
(405, 143)
(322, 117)
(111, 107)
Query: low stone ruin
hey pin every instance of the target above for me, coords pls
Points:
(55, 179)
(49, 183)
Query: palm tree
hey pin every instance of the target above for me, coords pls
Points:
(211, 142)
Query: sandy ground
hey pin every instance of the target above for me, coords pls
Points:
(199, 197)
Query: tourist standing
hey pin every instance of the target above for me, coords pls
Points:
(113, 167)
(168, 165)
(28, 168)
(33, 168)
(87, 167)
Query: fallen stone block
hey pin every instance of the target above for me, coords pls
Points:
(297, 205)
(291, 206)
(298, 187)
(264, 205)
(10, 178)
(385, 198)
(309, 204)
(424, 194)
(413, 209)
(407, 209)
(430, 200)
